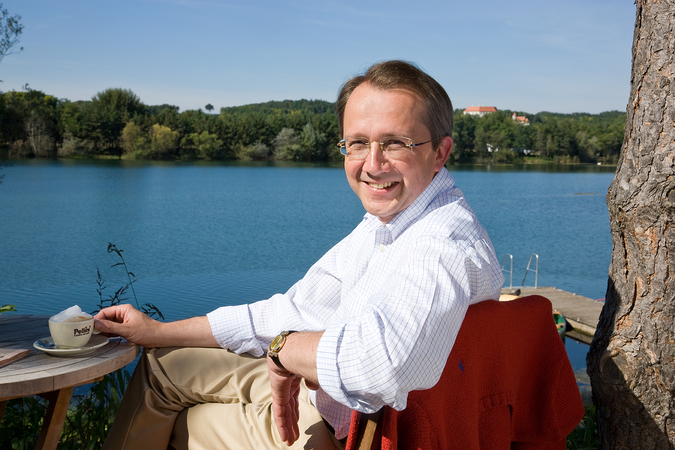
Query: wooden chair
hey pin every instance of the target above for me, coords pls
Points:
(507, 384)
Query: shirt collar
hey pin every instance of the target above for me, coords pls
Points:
(441, 182)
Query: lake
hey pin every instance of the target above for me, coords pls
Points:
(202, 235)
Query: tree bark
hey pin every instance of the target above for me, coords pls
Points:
(631, 361)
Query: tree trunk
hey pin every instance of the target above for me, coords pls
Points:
(631, 361)
(36, 129)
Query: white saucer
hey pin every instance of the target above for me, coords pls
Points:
(96, 341)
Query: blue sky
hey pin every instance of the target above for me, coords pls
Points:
(531, 56)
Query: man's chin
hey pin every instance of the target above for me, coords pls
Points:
(385, 214)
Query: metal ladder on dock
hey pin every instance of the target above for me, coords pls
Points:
(509, 257)
(510, 272)
(536, 269)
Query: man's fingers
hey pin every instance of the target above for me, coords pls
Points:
(291, 424)
(114, 313)
(285, 404)
(286, 422)
(107, 327)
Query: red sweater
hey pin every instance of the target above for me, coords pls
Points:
(507, 384)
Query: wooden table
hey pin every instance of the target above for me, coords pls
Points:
(52, 377)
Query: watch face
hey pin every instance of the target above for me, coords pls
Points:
(277, 342)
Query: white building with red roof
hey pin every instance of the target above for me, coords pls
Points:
(520, 119)
(480, 111)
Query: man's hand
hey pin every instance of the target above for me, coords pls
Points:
(299, 357)
(128, 322)
(137, 327)
(285, 408)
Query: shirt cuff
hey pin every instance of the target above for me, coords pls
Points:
(232, 328)
(327, 368)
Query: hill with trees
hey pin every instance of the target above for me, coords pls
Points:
(116, 123)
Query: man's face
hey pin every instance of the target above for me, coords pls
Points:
(387, 187)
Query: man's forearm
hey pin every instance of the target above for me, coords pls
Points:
(133, 325)
(194, 332)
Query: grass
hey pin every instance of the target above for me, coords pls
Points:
(585, 435)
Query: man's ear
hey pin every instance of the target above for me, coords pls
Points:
(443, 152)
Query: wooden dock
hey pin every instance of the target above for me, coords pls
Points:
(582, 313)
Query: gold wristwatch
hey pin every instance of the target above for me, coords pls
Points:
(276, 346)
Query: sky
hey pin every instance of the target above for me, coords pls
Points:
(522, 55)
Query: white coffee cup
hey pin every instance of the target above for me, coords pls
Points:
(73, 332)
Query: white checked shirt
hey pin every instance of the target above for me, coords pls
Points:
(390, 299)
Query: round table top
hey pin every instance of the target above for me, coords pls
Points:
(39, 372)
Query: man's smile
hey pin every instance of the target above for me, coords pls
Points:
(381, 185)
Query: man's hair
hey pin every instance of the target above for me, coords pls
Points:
(389, 75)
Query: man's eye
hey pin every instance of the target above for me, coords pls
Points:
(357, 143)
(394, 144)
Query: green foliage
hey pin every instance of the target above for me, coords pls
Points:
(208, 145)
(158, 142)
(286, 145)
(116, 122)
(256, 152)
(463, 136)
(585, 435)
(310, 107)
(22, 422)
(204, 146)
(88, 420)
(30, 123)
(71, 128)
(134, 140)
(91, 415)
(158, 109)
(108, 113)
(163, 142)
(118, 102)
(497, 137)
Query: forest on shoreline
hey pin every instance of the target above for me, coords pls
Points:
(115, 123)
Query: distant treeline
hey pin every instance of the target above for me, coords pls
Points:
(116, 123)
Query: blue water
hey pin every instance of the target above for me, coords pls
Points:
(210, 230)
(560, 216)
(201, 235)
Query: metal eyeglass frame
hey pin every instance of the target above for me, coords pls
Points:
(342, 145)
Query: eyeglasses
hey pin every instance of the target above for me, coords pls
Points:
(394, 147)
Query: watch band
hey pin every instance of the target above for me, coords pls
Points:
(276, 346)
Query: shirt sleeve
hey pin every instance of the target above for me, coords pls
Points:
(403, 338)
(250, 328)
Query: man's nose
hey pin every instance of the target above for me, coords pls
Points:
(375, 160)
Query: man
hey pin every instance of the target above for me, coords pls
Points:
(373, 319)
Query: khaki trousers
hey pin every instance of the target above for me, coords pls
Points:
(207, 398)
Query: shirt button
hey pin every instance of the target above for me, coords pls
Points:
(382, 247)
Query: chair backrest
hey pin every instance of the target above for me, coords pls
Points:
(507, 384)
